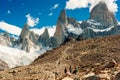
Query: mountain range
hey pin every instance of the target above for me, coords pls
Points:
(69, 32)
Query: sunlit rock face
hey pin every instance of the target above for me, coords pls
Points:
(61, 34)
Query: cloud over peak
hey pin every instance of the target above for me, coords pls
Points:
(32, 21)
(77, 4)
(74, 4)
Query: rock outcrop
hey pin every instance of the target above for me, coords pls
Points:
(61, 34)
(73, 22)
(117, 76)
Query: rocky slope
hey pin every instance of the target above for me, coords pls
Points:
(94, 58)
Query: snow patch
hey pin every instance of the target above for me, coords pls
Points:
(74, 30)
(93, 22)
(101, 30)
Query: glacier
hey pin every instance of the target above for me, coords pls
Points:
(16, 57)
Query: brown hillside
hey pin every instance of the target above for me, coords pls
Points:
(93, 57)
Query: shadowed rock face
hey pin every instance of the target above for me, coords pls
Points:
(73, 22)
(101, 14)
(44, 38)
(92, 78)
(117, 76)
(60, 33)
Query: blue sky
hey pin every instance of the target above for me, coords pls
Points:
(15, 11)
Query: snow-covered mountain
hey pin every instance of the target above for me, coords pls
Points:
(11, 51)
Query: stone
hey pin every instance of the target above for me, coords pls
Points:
(94, 77)
(117, 76)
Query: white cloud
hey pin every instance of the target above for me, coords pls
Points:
(50, 14)
(32, 21)
(119, 23)
(9, 12)
(75, 4)
(17, 30)
(51, 30)
(55, 6)
(10, 28)
(112, 5)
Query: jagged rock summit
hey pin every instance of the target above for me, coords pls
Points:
(60, 34)
(28, 39)
(101, 14)
(44, 38)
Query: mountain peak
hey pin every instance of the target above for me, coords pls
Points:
(45, 33)
(44, 38)
(103, 15)
(61, 27)
(101, 5)
(62, 16)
